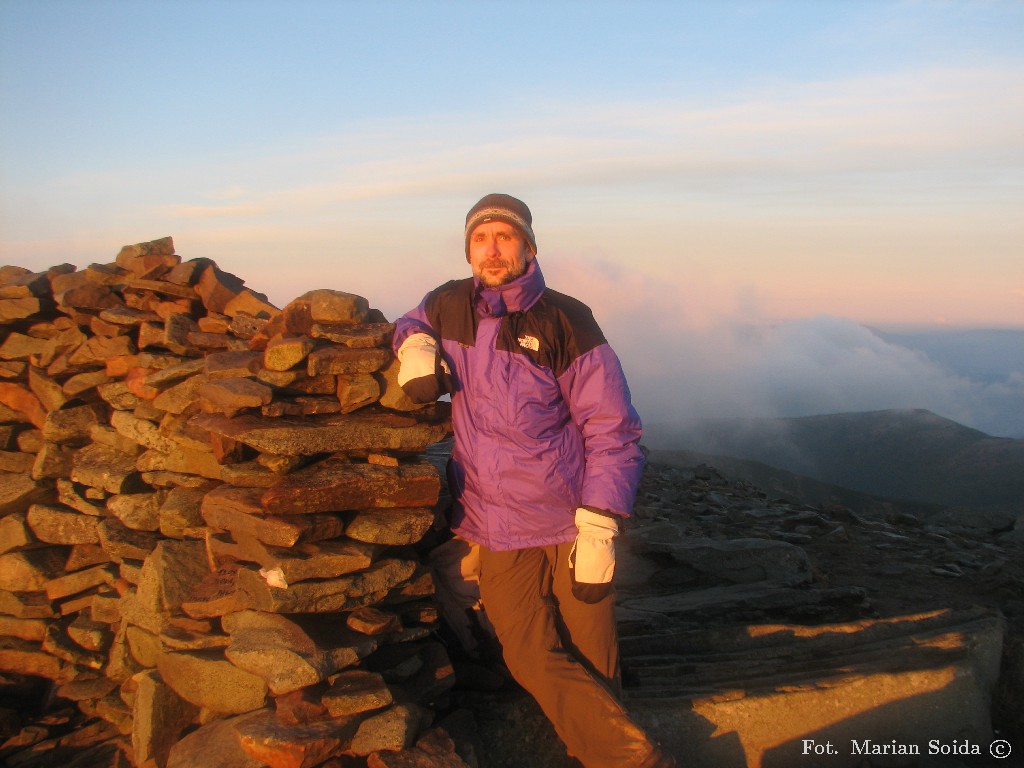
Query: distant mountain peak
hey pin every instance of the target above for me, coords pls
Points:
(910, 454)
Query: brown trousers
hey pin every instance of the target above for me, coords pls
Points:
(564, 652)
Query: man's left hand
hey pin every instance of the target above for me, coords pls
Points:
(592, 558)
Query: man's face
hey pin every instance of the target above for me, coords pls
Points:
(498, 254)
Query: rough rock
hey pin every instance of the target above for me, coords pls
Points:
(284, 353)
(328, 595)
(58, 525)
(214, 745)
(206, 679)
(232, 395)
(356, 691)
(18, 493)
(436, 749)
(30, 570)
(397, 526)
(344, 360)
(284, 745)
(359, 431)
(72, 424)
(277, 531)
(335, 485)
(310, 560)
(279, 652)
(106, 469)
(15, 532)
(326, 306)
(393, 729)
(22, 401)
(159, 718)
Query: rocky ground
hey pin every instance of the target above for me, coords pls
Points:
(903, 561)
(749, 558)
(706, 554)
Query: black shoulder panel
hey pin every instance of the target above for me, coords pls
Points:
(553, 332)
(450, 311)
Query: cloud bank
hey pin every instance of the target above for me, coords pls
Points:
(687, 360)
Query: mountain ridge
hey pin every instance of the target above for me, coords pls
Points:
(910, 455)
(788, 486)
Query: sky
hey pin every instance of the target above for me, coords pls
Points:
(696, 170)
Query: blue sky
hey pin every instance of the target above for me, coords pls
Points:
(694, 167)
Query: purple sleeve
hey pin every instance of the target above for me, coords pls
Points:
(595, 388)
(413, 321)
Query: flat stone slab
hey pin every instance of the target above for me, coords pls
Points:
(60, 525)
(767, 693)
(27, 658)
(26, 605)
(72, 424)
(311, 560)
(745, 696)
(122, 543)
(328, 595)
(335, 485)
(207, 679)
(346, 360)
(279, 531)
(286, 352)
(395, 527)
(272, 742)
(217, 594)
(392, 730)
(214, 745)
(159, 718)
(31, 570)
(365, 431)
(18, 492)
(229, 396)
(280, 652)
(355, 336)
(355, 691)
(104, 468)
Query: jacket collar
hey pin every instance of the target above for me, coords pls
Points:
(517, 296)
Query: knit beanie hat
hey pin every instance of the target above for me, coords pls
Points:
(499, 207)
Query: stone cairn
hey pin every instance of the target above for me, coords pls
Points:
(208, 516)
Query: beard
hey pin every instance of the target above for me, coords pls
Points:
(512, 270)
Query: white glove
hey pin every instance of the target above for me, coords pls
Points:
(422, 372)
(592, 558)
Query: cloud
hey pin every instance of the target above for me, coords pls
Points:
(690, 355)
(815, 366)
(884, 124)
(241, 210)
(807, 141)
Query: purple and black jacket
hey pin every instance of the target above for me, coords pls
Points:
(540, 409)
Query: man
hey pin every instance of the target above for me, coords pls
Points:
(546, 462)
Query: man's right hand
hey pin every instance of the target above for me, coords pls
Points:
(423, 374)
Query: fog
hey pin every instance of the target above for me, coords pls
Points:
(687, 359)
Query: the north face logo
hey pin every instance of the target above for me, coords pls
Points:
(529, 342)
